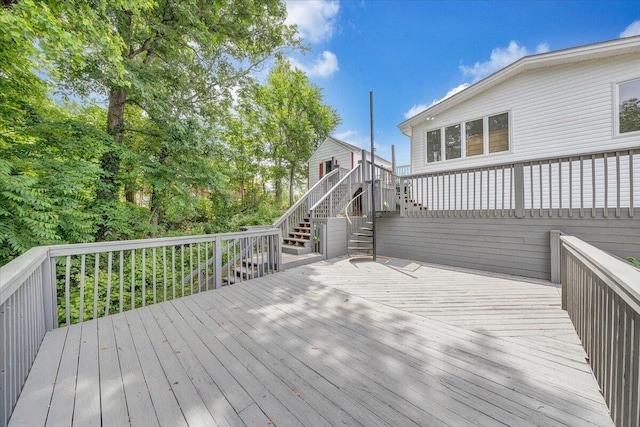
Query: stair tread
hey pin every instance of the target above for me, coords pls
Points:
(360, 248)
(359, 241)
(362, 234)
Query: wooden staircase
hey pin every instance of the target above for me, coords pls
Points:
(299, 240)
(248, 269)
(410, 204)
(361, 241)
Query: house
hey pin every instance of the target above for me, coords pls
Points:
(333, 153)
(548, 144)
(572, 101)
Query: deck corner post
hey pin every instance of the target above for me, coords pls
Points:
(518, 184)
(554, 241)
(217, 274)
(49, 300)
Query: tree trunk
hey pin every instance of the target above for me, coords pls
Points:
(157, 213)
(292, 180)
(108, 189)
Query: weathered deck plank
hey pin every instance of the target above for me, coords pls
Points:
(330, 343)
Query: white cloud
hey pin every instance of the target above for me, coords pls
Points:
(316, 19)
(632, 30)
(353, 137)
(416, 109)
(323, 66)
(500, 58)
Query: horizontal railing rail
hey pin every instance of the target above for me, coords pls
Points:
(48, 287)
(601, 294)
(597, 185)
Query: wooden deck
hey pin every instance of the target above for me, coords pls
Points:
(335, 343)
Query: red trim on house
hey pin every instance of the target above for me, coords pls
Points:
(320, 171)
(353, 160)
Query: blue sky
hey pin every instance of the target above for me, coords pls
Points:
(413, 53)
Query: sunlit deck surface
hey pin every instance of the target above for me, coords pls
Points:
(336, 342)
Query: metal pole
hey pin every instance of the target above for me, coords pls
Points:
(373, 178)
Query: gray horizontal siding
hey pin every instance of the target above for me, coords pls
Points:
(504, 245)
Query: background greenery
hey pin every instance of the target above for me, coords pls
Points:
(133, 119)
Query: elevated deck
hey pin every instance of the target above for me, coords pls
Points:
(336, 342)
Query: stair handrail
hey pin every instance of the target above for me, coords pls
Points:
(346, 208)
(304, 198)
(330, 192)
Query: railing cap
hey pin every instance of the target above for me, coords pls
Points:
(621, 276)
(13, 274)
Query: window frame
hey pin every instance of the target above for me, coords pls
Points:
(463, 136)
(616, 110)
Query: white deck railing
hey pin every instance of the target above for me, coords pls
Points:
(300, 209)
(592, 185)
(66, 284)
(601, 293)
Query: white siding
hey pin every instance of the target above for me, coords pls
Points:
(329, 149)
(555, 111)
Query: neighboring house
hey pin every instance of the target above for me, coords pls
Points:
(554, 104)
(333, 153)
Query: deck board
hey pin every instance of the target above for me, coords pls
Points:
(330, 343)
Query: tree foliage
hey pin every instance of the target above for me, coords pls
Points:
(293, 121)
(126, 119)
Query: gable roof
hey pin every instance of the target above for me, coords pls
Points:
(559, 57)
(350, 147)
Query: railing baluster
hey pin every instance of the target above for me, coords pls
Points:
(581, 186)
(173, 272)
(593, 186)
(605, 211)
(96, 274)
(144, 277)
(109, 266)
(560, 210)
(181, 270)
(191, 268)
(617, 184)
(121, 278)
(83, 259)
(133, 278)
(164, 272)
(155, 281)
(541, 189)
(631, 192)
(570, 187)
(550, 189)
(67, 291)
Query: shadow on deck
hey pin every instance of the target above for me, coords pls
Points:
(336, 343)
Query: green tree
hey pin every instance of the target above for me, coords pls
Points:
(630, 115)
(293, 121)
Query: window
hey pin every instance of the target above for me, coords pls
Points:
(474, 137)
(453, 142)
(629, 106)
(434, 146)
(486, 135)
(498, 133)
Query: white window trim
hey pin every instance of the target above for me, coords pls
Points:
(616, 110)
(463, 134)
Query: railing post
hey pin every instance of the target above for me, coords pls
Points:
(518, 184)
(363, 167)
(217, 273)
(554, 239)
(393, 159)
(49, 293)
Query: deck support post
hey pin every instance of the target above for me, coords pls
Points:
(518, 184)
(554, 240)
